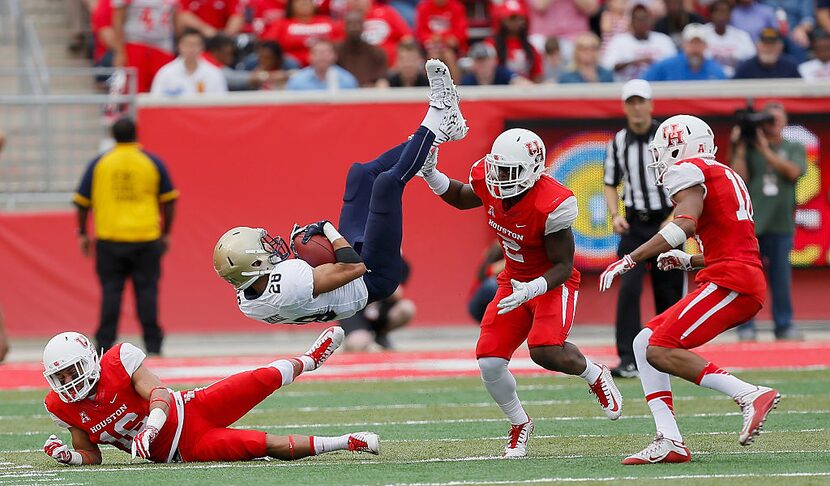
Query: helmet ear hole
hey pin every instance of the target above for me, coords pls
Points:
(674, 153)
(256, 263)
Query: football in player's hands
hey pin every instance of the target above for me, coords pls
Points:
(316, 251)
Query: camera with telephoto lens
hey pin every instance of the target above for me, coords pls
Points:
(750, 120)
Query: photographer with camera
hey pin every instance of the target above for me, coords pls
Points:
(770, 165)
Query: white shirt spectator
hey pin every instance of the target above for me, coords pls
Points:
(625, 48)
(729, 49)
(174, 80)
(814, 70)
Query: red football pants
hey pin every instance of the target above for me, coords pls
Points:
(700, 316)
(207, 415)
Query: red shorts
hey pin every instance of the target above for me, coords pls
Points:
(700, 316)
(543, 321)
(209, 411)
(147, 61)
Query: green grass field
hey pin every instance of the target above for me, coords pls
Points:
(448, 431)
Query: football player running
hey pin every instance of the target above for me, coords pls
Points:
(274, 288)
(712, 204)
(532, 215)
(118, 401)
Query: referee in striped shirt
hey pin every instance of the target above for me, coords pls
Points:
(647, 208)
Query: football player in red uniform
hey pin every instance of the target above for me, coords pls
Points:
(532, 215)
(118, 401)
(712, 204)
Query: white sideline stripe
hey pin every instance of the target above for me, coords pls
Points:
(720, 305)
(618, 478)
(418, 406)
(268, 463)
(472, 421)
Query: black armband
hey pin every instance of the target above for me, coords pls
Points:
(347, 255)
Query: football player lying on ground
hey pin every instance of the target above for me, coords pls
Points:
(274, 288)
(118, 401)
(531, 214)
(712, 204)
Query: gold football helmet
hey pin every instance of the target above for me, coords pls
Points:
(244, 254)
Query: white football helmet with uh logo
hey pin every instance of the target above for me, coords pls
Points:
(514, 164)
(71, 366)
(244, 254)
(679, 138)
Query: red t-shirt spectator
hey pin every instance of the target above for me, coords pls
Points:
(295, 36)
(384, 27)
(100, 18)
(516, 58)
(212, 12)
(261, 14)
(442, 20)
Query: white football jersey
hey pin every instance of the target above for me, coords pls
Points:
(289, 299)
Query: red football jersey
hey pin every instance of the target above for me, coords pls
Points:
(116, 413)
(725, 229)
(546, 207)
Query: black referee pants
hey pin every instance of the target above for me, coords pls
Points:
(667, 286)
(114, 263)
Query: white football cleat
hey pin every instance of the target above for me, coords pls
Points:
(430, 163)
(755, 407)
(661, 450)
(607, 393)
(330, 340)
(517, 440)
(364, 442)
(444, 95)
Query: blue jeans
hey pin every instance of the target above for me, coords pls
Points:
(481, 298)
(775, 252)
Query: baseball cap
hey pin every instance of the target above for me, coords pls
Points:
(769, 35)
(636, 87)
(482, 50)
(694, 31)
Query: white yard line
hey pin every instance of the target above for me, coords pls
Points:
(620, 478)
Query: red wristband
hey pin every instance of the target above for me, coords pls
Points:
(684, 216)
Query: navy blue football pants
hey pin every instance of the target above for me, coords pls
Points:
(372, 216)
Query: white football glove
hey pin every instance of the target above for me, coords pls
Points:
(142, 441)
(619, 267)
(675, 260)
(429, 163)
(522, 292)
(57, 450)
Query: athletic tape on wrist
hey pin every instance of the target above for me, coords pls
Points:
(673, 234)
(157, 418)
(438, 182)
(331, 232)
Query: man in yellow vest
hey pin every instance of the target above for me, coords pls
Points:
(128, 190)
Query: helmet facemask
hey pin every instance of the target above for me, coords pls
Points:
(508, 178)
(244, 254)
(84, 371)
(276, 250)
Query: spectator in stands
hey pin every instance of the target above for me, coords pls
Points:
(613, 20)
(259, 15)
(486, 285)
(369, 329)
(211, 17)
(771, 165)
(675, 20)
(511, 41)
(190, 73)
(4, 340)
(486, 70)
(104, 37)
(366, 62)
(553, 67)
(77, 12)
(691, 64)
(563, 19)
(770, 61)
(409, 67)
(753, 17)
(382, 26)
(796, 19)
(143, 37)
(271, 72)
(630, 54)
(442, 22)
(586, 68)
(127, 188)
(728, 45)
(300, 28)
(819, 67)
(823, 14)
(406, 8)
(323, 73)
